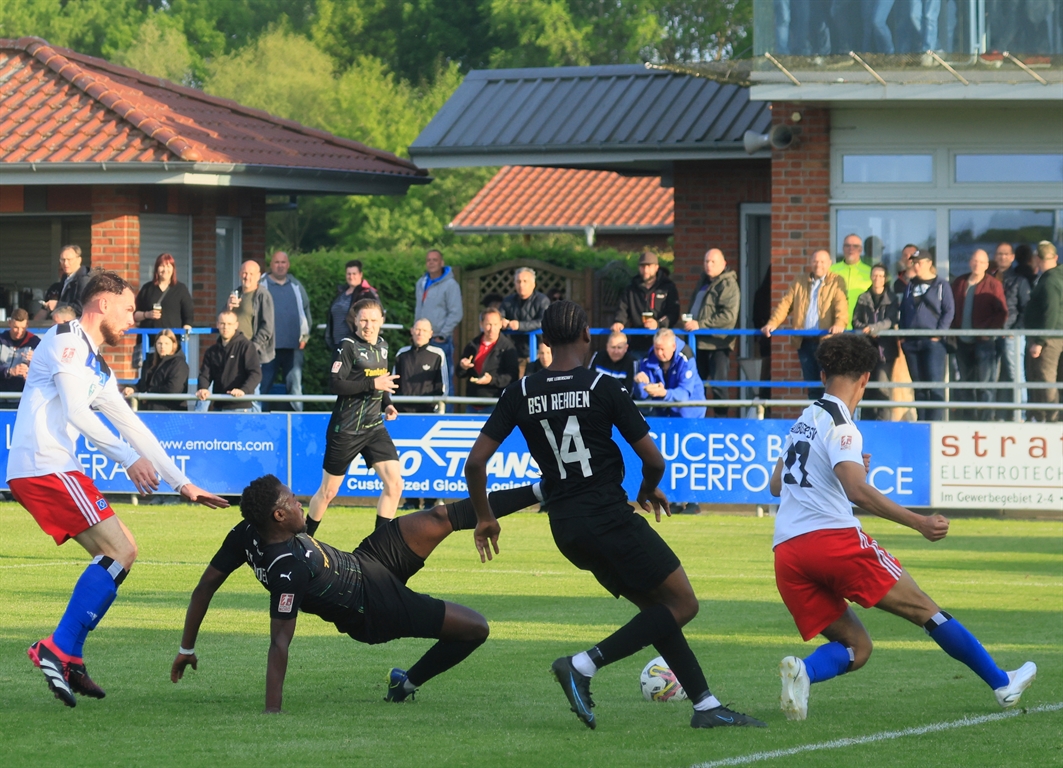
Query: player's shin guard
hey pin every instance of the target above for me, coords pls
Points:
(92, 596)
(505, 502)
(961, 645)
(648, 626)
(681, 660)
(439, 658)
(827, 661)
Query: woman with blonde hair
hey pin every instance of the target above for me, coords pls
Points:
(165, 373)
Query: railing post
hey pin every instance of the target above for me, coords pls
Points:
(1016, 373)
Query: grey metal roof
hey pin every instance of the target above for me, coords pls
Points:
(625, 117)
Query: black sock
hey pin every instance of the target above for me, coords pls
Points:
(439, 658)
(681, 660)
(504, 502)
(381, 521)
(311, 526)
(646, 627)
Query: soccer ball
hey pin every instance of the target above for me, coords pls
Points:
(659, 683)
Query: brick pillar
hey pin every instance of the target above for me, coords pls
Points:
(252, 209)
(204, 258)
(116, 246)
(800, 216)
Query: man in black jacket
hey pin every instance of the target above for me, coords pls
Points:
(617, 361)
(231, 365)
(651, 301)
(877, 309)
(523, 310)
(422, 370)
(489, 361)
(66, 292)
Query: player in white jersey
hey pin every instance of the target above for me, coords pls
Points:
(823, 558)
(68, 378)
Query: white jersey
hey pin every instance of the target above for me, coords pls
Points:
(66, 378)
(812, 496)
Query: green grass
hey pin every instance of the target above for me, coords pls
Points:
(1004, 580)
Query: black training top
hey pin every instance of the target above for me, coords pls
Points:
(359, 406)
(301, 574)
(567, 419)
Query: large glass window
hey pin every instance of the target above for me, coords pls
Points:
(1028, 169)
(888, 169)
(886, 232)
(985, 229)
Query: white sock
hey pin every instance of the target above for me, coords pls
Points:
(709, 702)
(583, 664)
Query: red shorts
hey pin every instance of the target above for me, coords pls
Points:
(817, 572)
(64, 504)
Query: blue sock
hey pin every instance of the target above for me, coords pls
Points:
(92, 596)
(961, 645)
(828, 661)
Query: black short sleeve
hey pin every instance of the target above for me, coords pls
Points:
(231, 554)
(504, 418)
(627, 417)
(287, 581)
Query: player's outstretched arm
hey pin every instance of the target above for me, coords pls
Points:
(487, 527)
(775, 485)
(197, 495)
(198, 605)
(651, 498)
(281, 632)
(853, 478)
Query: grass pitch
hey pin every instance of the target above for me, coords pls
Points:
(1004, 580)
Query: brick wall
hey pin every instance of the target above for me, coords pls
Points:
(204, 258)
(800, 215)
(116, 246)
(707, 198)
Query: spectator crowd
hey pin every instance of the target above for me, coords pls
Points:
(266, 323)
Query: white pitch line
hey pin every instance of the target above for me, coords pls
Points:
(884, 736)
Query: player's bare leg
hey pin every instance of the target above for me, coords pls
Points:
(326, 492)
(908, 601)
(111, 538)
(391, 477)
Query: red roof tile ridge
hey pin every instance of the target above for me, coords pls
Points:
(42, 50)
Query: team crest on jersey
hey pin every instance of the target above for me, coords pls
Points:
(847, 442)
(68, 354)
(101, 504)
(336, 366)
(286, 602)
(425, 367)
(384, 354)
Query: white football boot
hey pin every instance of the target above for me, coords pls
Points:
(794, 698)
(1018, 681)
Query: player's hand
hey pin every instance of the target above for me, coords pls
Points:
(197, 495)
(391, 413)
(934, 528)
(142, 474)
(653, 500)
(177, 671)
(867, 463)
(386, 383)
(486, 531)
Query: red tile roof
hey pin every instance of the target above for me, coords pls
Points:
(523, 198)
(60, 106)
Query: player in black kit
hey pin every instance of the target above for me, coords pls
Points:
(364, 593)
(566, 414)
(362, 380)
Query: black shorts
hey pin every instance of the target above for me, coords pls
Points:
(341, 449)
(393, 610)
(625, 554)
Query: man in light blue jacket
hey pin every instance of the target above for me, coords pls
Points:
(669, 377)
(439, 301)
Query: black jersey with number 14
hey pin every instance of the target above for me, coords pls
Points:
(567, 419)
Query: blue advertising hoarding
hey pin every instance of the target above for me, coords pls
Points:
(723, 461)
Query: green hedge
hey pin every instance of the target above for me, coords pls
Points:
(395, 273)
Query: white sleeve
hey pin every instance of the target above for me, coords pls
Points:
(71, 389)
(129, 425)
(845, 443)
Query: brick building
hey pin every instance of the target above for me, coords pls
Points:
(129, 166)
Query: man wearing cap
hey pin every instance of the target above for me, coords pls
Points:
(927, 303)
(651, 301)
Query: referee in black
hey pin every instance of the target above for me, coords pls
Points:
(566, 414)
(364, 385)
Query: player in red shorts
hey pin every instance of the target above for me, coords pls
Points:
(823, 559)
(66, 379)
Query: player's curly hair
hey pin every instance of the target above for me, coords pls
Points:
(847, 354)
(563, 323)
(259, 499)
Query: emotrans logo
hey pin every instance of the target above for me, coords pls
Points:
(432, 453)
